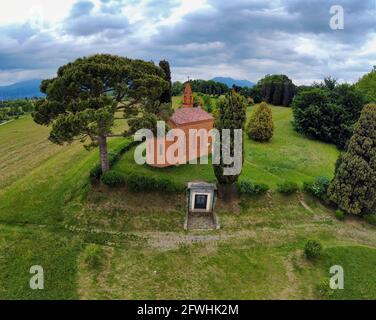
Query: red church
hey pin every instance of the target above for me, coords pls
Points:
(186, 118)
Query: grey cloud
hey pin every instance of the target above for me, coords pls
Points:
(242, 38)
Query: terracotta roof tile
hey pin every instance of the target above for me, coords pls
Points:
(190, 115)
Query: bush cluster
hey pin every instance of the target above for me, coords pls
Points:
(288, 187)
(318, 187)
(328, 111)
(312, 249)
(371, 219)
(340, 215)
(250, 188)
(93, 256)
(139, 183)
(113, 179)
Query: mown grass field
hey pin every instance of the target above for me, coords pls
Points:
(49, 214)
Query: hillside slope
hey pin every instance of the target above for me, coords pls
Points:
(289, 156)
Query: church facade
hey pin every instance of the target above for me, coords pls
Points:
(190, 120)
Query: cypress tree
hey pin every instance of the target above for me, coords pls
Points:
(167, 94)
(232, 115)
(260, 126)
(354, 187)
(278, 94)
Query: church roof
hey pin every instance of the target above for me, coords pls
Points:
(190, 115)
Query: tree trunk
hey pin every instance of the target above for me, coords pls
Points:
(103, 152)
(227, 192)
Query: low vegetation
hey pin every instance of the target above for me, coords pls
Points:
(252, 189)
(288, 187)
(312, 249)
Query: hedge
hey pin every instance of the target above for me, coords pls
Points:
(250, 188)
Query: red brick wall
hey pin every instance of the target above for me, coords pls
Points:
(206, 125)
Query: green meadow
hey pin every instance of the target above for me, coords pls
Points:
(50, 214)
(289, 156)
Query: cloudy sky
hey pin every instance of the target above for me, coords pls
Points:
(244, 39)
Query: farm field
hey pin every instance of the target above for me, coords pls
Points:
(49, 214)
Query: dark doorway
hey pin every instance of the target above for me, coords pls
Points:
(201, 201)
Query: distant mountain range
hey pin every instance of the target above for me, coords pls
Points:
(230, 82)
(19, 90)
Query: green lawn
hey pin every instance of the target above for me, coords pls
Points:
(49, 213)
(289, 156)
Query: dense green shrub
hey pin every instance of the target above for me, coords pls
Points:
(250, 188)
(318, 187)
(163, 184)
(367, 86)
(138, 183)
(93, 256)
(328, 112)
(371, 219)
(261, 126)
(354, 187)
(113, 179)
(288, 187)
(340, 215)
(312, 249)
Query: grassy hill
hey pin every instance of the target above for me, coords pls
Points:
(289, 156)
(49, 214)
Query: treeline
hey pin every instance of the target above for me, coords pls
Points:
(329, 111)
(15, 108)
(210, 87)
(274, 89)
(278, 90)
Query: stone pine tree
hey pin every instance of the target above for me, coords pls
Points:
(167, 94)
(87, 95)
(231, 115)
(260, 126)
(354, 187)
